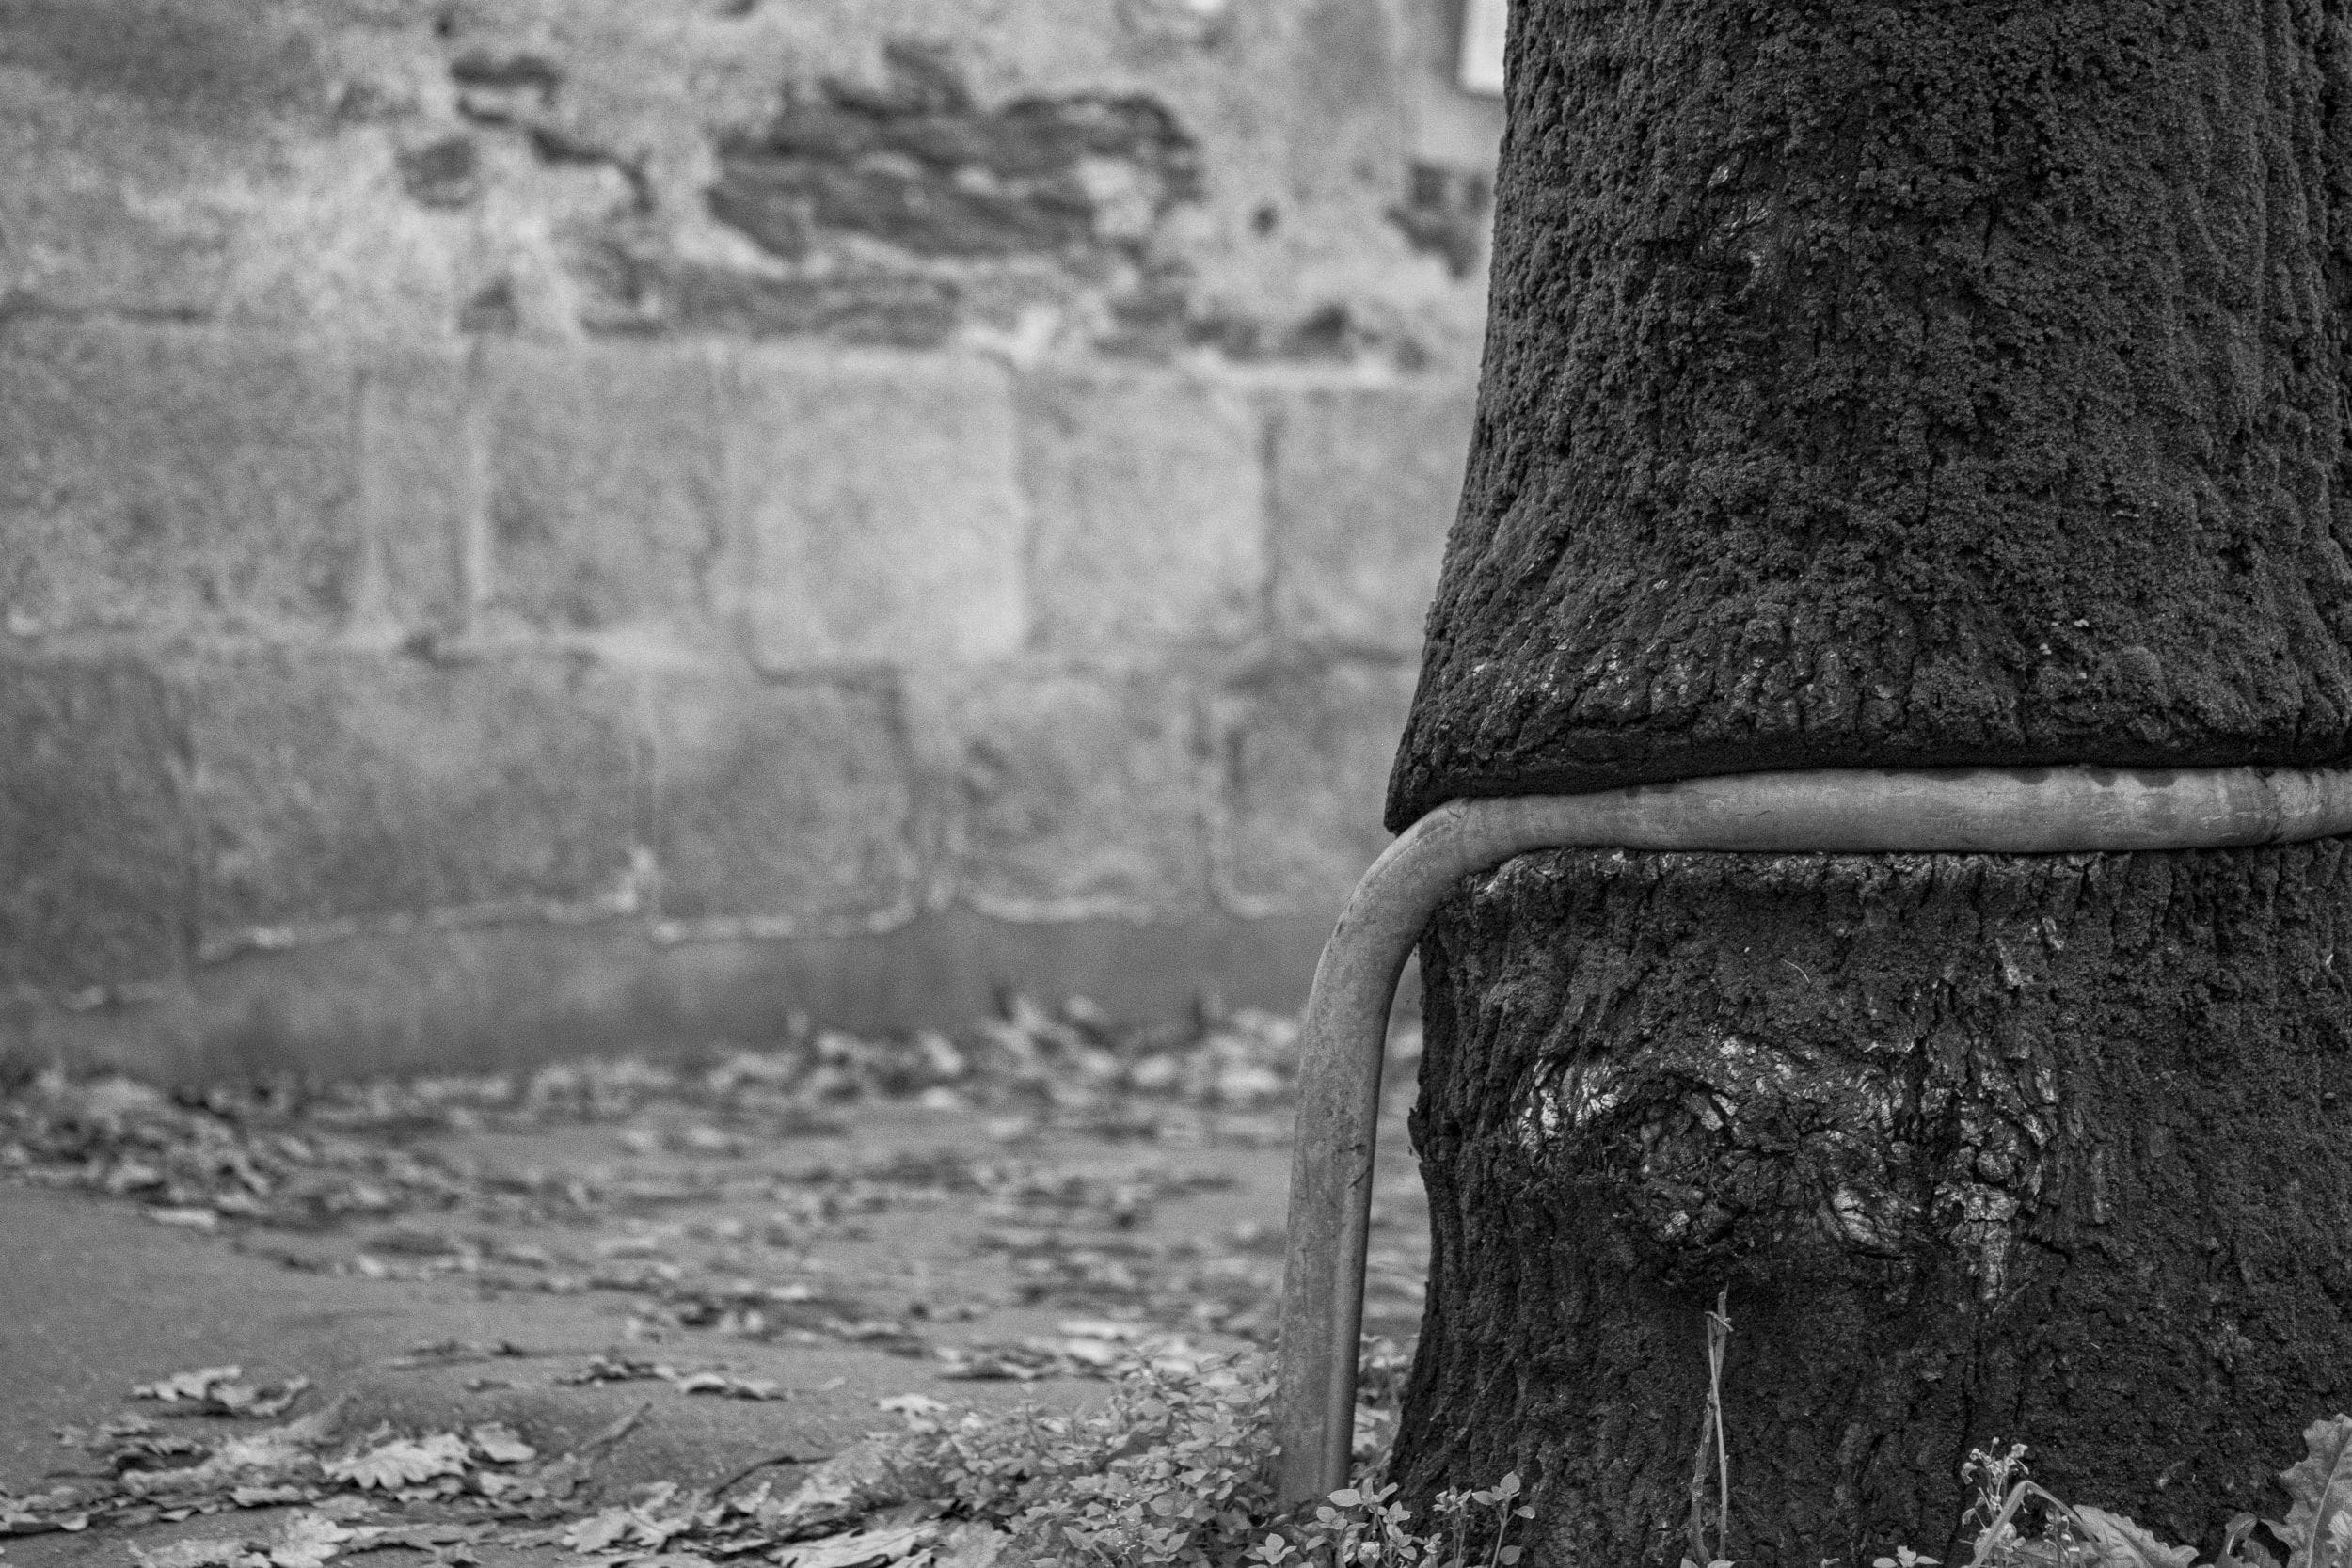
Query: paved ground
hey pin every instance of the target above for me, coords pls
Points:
(556, 1271)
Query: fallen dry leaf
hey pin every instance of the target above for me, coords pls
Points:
(860, 1548)
(194, 1554)
(221, 1391)
(502, 1443)
(188, 1385)
(598, 1531)
(402, 1462)
(307, 1540)
(728, 1387)
(274, 1456)
(421, 1538)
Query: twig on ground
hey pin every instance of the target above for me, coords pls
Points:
(758, 1465)
(613, 1434)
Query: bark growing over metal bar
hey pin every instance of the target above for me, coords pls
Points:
(1986, 1148)
(1893, 386)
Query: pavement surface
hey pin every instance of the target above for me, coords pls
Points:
(707, 1290)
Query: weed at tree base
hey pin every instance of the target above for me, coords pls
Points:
(1360, 1526)
(1173, 1472)
(1712, 1435)
(2316, 1532)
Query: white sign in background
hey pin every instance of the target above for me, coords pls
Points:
(1480, 69)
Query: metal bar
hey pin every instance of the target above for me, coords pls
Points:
(1843, 810)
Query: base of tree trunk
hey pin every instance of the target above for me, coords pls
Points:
(2043, 1148)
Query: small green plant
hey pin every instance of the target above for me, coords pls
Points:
(1365, 1528)
(1501, 1499)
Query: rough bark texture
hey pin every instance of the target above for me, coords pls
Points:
(1894, 385)
(2050, 1148)
(1897, 383)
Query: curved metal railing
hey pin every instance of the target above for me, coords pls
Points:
(1853, 811)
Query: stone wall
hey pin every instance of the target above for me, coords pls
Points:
(527, 528)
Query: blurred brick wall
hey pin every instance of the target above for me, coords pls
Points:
(535, 527)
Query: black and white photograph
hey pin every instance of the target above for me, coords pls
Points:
(1175, 784)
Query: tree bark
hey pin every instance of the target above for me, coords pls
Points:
(1894, 385)
(2049, 1149)
(1904, 385)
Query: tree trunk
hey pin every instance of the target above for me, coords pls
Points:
(1894, 385)
(1986, 1148)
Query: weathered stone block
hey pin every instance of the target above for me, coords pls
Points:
(1306, 756)
(792, 802)
(1150, 511)
(922, 166)
(352, 786)
(880, 511)
(1065, 797)
(167, 476)
(96, 855)
(1365, 483)
(421, 498)
(604, 479)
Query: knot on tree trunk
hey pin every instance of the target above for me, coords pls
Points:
(1716, 1157)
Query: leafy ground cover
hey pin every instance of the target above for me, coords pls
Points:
(1058, 1136)
(1045, 1205)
